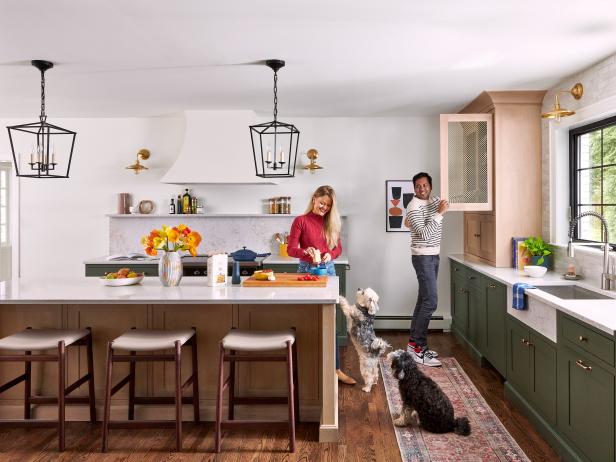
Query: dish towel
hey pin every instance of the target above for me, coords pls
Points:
(519, 301)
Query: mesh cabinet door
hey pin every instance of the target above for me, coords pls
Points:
(466, 161)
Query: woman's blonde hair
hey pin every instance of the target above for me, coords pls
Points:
(331, 221)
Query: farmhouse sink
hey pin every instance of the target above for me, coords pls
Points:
(572, 292)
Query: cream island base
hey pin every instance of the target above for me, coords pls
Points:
(83, 302)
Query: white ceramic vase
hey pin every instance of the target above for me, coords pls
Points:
(170, 269)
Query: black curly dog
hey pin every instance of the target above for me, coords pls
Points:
(423, 399)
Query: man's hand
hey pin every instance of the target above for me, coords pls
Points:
(443, 206)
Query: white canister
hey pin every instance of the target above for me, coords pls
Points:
(217, 267)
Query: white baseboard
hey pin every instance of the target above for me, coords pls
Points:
(405, 324)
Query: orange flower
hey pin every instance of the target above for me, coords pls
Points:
(173, 234)
(193, 239)
(193, 251)
(151, 251)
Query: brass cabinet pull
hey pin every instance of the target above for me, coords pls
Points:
(492, 286)
(583, 339)
(525, 342)
(456, 269)
(471, 277)
(477, 235)
(579, 363)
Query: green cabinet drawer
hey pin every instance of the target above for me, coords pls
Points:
(584, 337)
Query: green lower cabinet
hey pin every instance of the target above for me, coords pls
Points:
(477, 325)
(460, 306)
(341, 323)
(496, 310)
(518, 356)
(586, 404)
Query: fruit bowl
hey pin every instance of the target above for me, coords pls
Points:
(121, 282)
(535, 271)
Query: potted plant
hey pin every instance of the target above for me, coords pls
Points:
(538, 250)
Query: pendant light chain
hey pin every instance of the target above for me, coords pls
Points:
(43, 116)
(275, 96)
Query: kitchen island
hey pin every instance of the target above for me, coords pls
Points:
(80, 302)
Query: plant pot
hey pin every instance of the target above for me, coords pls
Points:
(170, 269)
(546, 261)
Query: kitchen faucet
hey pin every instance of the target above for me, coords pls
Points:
(606, 276)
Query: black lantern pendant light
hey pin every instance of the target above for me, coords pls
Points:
(274, 144)
(40, 149)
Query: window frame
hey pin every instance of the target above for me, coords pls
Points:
(574, 134)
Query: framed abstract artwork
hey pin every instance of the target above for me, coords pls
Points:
(398, 194)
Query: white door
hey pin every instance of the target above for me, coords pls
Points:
(5, 234)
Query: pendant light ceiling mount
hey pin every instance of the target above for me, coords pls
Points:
(45, 143)
(274, 142)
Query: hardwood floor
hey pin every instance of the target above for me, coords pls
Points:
(365, 428)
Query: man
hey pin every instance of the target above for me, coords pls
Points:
(424, 217)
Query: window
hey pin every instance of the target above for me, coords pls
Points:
(593, 177)
(4, 204)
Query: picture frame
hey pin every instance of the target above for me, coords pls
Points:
(398, 194)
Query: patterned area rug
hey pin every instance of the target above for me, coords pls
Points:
(489, 440)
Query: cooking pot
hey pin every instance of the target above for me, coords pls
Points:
(245, 254)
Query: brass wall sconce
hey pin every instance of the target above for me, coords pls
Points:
(557, 113)
(312, 154)
(143, 154)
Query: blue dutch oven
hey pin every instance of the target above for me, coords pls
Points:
(245, 254)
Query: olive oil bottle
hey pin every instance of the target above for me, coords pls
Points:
(186, 203)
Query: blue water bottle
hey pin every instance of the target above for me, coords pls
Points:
(235, 278)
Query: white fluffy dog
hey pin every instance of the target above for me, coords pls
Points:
(360, 324)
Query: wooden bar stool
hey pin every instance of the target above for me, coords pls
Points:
(255, 343)
(31, 340)
(152, 340)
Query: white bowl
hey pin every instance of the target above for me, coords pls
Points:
(120, 282)
(535, 271)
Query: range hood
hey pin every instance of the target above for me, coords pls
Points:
(216, 150)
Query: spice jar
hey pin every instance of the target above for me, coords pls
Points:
(272, 205)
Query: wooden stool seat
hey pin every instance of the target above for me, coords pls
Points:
(245, 340)
(43, 340)
(253, 344)
(148, 341)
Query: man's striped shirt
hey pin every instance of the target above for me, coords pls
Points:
(426, 226)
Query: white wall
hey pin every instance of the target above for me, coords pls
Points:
(63, 221)
(598, 102)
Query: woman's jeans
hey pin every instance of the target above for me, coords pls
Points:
(426, 268)
(304, 267)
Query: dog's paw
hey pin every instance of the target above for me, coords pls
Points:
(415, 418)
(400, 422)
(367, 388)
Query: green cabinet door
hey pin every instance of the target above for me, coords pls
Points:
(586, 404)
(495, 339)
(542, 385)
(460, 306)
(477, 316)
(518, 356)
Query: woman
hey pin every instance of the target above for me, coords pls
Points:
(315, 239)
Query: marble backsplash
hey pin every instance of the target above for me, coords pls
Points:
(588, 263)
(225, 233)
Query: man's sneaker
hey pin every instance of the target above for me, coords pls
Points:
(424, 357)
(412, 345)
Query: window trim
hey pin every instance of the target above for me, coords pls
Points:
(573, 168)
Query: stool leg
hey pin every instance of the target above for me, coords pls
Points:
(107, 396)
(296, 381)
(27, 388)
(61, 392)
(291, 398)
(195, 371)
(231, 391)
(92, 398)
(178, 396)
(131, 388)
(221, 358)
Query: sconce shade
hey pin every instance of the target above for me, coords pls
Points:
(41, 149)
(558, 112)
(137, 167)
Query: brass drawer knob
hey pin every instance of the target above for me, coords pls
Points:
(580, 363)
(583, 339)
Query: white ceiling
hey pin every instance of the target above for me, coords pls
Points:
(344, 57)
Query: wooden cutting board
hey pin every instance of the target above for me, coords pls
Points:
(285, 280)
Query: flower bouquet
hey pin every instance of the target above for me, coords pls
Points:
(171, 241)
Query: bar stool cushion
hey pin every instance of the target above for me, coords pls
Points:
(250, 340)
(41, 339)
(147, 340)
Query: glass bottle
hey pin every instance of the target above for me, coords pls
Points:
(272, 205)
(179, 209)
(172, 207)
(186, 202)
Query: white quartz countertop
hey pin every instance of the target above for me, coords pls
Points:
(597, 313)
(191, 290)
(271, 260)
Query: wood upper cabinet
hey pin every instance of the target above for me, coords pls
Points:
(513, 176)
(466, 161)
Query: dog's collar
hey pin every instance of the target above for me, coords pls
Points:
(364, 310)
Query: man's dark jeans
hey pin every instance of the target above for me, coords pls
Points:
(426, 267)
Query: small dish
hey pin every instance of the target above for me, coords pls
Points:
(146, 207)
(572, 277)
(120, 282)
(535, 271)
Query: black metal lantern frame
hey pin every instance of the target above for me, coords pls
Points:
(275, 143)
(42, 160)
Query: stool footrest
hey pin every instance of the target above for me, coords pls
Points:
(232, 358)
(161, 400)
(12, 383)
(138, 358)
(142, 424)
(28, 358)
(28, 423)
(261, 400)
(254, 422)
(54, 400)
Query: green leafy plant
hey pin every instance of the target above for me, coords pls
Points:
(537, 247)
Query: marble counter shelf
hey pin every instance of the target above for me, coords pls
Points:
(203, 215)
